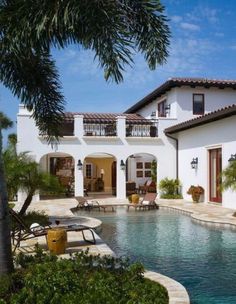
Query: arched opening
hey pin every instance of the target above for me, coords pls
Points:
(62, 166)
(141, 173)
(100, 174)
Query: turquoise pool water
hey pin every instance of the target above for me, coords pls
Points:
(202, 259)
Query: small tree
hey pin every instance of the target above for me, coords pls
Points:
(229, 177)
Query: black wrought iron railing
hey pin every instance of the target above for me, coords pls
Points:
(100, 129)
(142, 129)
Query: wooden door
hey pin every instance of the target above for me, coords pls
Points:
(113, 178)
(215, 168)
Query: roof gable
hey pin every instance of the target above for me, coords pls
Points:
(178, 82)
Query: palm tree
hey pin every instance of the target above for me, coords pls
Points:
(21, 172)
(32, 179)
(6, 264)
(114, 30)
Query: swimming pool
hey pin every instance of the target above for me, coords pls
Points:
(202, 259)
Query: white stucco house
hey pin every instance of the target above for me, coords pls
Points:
(176, 124)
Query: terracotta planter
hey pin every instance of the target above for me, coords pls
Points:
(196, 197)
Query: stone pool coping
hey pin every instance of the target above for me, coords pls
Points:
(203, 213)
(176, 292)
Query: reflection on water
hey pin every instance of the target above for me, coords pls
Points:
(202, 259)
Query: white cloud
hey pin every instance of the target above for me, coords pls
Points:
(176, 19)
(210, 14)
(80, 62)
(189, 26)
(205, 13)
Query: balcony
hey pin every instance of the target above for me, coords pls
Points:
(109, 125)
(142, 128)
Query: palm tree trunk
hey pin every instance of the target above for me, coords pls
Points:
(6, 261)
(26, 203)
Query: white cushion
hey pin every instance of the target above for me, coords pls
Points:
(145, 202)
(35, 227)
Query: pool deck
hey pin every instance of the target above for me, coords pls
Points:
(203, 213)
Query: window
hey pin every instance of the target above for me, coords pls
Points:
(162, 109)
(143, 169)
(89, 170)
(198, 104)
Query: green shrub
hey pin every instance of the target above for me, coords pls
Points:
(39, 217)
(170, 188)
(82, 279)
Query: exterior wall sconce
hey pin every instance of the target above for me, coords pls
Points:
(167, 108)
(232, 158)
(194, 163)
(122, 165)
(79, 165)
(153, 114)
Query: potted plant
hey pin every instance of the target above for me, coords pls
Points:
(196, 192)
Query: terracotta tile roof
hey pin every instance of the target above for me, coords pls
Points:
(207, 118)
(104, 117)
(177, 82)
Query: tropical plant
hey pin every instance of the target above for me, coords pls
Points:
(23, 173)
(170, 188)
(33, 179)
(114, 30)
(196, 192)
(229, 177)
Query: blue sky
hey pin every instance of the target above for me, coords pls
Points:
(203, 44)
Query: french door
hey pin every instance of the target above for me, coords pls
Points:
(215, 168)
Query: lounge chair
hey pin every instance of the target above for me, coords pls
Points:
(146, 203)
(21, 232)
(85, 204)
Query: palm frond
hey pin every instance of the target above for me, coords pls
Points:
(33, 78)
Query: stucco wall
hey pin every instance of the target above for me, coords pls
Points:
(214, 99)
(195, 143)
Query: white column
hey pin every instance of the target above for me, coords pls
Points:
(79, 179)
(120, 181)
(78, 126)
(121, 126)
